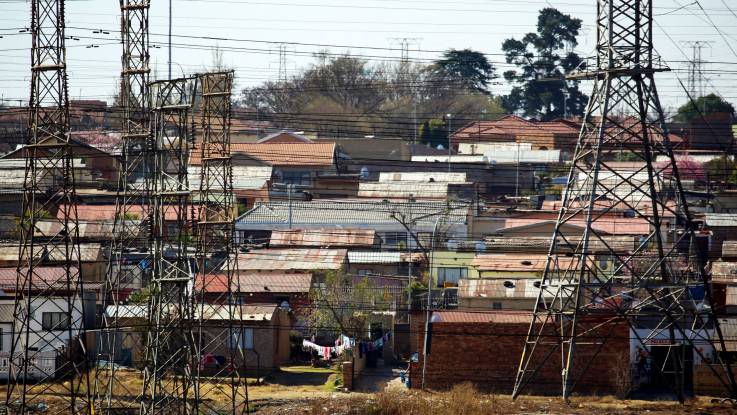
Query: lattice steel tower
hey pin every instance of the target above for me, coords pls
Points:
(169, 377)
(49, 332)
(656, 288)
(216, 257)
(130, 251)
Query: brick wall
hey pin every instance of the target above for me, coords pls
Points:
(706, 382)
(488, 355)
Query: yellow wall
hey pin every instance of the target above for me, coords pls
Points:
(452, 259)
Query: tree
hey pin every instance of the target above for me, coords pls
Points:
(341, 305)
(434, 132)
(709, 104)
(543, 60)
(346, 96)
(463, 69)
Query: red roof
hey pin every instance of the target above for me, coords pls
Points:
(107, 212)
(498, 317)
(613, 225)
(282, 154)
(43, 278)
(258, 283)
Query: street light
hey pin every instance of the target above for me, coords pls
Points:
(448, 116)
(429, 295)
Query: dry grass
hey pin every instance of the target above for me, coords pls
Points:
(465, 400)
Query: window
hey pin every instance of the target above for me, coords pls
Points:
(299, 178)
(395, 238)
(496, 306)
(450, 276)
(242, 338)
(54, 321)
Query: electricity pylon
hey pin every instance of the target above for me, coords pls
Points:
(659, 289)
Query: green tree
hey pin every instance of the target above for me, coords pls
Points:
(434, 132)
(463, 69)
(543, 59)
(709, 104)
(721, 169)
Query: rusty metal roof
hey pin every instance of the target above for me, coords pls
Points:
(43, 278)
(497, 317)
(244, 312)
(613, 225)
(498, 288)
(259, 283)
(323, 238)
(282, 154)
(292, 259)
(722, 271)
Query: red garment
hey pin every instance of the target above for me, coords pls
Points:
(326, 353)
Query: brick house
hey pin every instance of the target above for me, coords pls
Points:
(458, 338)
(259, 340)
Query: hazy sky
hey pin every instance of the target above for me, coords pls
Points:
(367, 27)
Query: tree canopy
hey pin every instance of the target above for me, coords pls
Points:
(708, 104)
(346, 96)
(465, 69)
(543, 59)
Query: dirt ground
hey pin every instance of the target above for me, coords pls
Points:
(469, 403)
(303, 390)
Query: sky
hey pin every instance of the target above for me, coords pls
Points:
(249, 33)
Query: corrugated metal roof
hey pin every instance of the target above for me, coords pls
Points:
(526, 156)
(244, 177)
(282, 154)
(453, 159)
(107, 212)
(613, 225)
(498, 288)
(351, 212)
(292, 259)
(426, 190)
(245, 312)
(374, 257)
(520, 262)
(722, 271)
(497, 317)
(729, 249)
(510, 262)
(127, 311)
(729, 331)
(720, 219)
(323, 238)
(43, 278)
(483, 148)
(7, 312)
(260, 283)
(442, 177)
(90, 252)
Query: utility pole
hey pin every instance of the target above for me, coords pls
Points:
(133, 214)
(450, 142)
(580, 306)
(44, 350)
